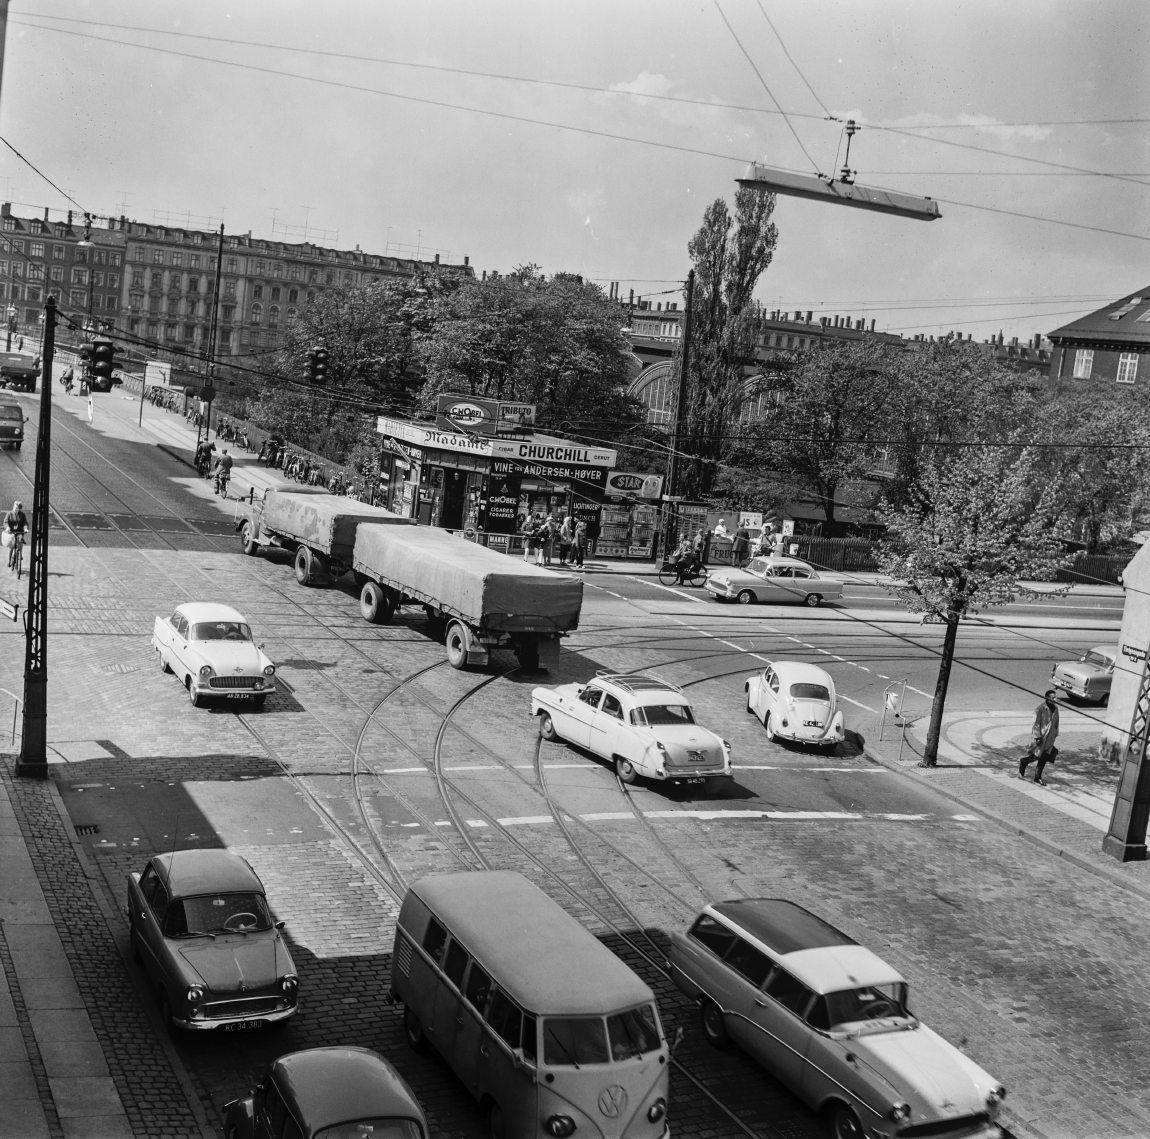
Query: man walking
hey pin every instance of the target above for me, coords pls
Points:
(1042, 737)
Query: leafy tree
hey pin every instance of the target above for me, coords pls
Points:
(555, 342)
(729, 256)
(976, 523)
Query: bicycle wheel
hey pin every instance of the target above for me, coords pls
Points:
(697, 576)
(18, 558)
(668, 575)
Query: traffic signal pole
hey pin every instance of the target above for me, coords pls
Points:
(33, 759)
(671, 522)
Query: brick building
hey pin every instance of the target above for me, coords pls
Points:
(1105, 348)
(155, 282)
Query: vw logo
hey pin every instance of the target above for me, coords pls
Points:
(466, 413)
(613, 1101)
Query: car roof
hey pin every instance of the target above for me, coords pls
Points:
(799, 670)
(211, 871)
(821, 956)
(552, 965)
(209, 611)
(11, 411)
(635, 682)
(1105, 650)
(334, 1085)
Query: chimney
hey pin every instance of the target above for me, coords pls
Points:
(872, 324)
(659, 306)
(466, 260)
(824, 321)
(484, 277)
(809, 315)
(631, 299)
(1014, 342)
(45, 213)
(1036, 342)
(437, 259)
(859, 324)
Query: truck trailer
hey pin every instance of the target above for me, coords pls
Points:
(318, 527)
(476, 599)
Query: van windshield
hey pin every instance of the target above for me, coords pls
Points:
(573, 1041)
(633, 1033)
(376, 1128)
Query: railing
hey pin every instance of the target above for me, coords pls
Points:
(17, 704)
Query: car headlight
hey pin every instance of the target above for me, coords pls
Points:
(900, 1112)
(205, 670)
(560, 1125)
(657, 1110)
(290, 984)
(995, 1096)
(663, 751)
(258, 682)
(269, 670)
(194, 994)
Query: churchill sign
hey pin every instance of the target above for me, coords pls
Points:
(543, 450)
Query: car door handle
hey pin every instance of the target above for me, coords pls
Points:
(759, 1003)
(459, 1022)
(484, 1050)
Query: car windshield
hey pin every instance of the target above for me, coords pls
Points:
(1093, 657)
(244, 912)
(633, 1033)
(804, 691)
(574, 1040)
(655, 714)
(874, 1002)
(377, 1128)
(221, 631)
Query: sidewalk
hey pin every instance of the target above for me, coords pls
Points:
(978, 769)
(54, 1077)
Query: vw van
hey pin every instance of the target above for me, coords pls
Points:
(544, 1025)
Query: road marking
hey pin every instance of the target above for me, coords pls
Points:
(857, 703)
(711, 815)
(668, 589)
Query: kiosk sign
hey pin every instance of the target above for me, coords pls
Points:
(476, 415)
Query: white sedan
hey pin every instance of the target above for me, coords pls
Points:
(210, 649)
(796, 701)
(642, 725)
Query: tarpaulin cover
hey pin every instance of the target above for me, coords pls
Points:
(325, 522)
(488, 589)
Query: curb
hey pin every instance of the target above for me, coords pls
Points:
(1009, 824)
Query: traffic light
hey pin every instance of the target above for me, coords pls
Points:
(318, 363)
(311, 358)
(86, 357)
(103, 362)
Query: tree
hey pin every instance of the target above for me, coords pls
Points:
(729, 255)
(977, 522)
(557, 343)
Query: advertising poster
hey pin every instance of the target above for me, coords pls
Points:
(499, 512)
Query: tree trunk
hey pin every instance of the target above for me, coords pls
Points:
(930, 755)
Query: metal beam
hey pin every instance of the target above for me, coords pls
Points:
(840, 193)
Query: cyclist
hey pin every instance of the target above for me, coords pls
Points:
(223, 472)
(684, 559)
(204, 457)
(15, 525)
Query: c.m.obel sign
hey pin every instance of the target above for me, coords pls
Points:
(476, 415)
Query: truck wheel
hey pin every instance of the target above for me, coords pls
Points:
(374, 603)
(456, 645)
(248, 542)
(306, 566)
(528, 656)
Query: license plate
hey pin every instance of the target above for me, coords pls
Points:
(238, 695)
(696, 757)
(240, 1025)
(811, 724)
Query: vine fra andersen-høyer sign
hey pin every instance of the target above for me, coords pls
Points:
(525, 451)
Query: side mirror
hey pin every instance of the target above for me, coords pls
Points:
(280, 924)
(677, 1038)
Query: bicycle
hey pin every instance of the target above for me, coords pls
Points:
(695, 573)
(16, 554)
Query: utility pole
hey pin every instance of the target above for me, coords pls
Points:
(209, 389)
(33, 761)
(672, 520)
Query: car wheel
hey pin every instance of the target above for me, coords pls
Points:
(547, 727)
(164, 666)
(456, 645)
(814, 600)
(769, 728)
(496, 1122)
(373, 603)
(750, 710)
(413, 1031)
(714, 1027)
(746, 597)
(625, 769)
(845, 1124)
(248, 542)
(194, 697)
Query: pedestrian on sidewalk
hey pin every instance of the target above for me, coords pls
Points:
(566, 537)
(579, 543)
(1042, 737)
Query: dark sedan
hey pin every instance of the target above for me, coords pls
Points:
(201, 930)
(333, 1093)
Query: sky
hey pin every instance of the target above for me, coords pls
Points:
(589, 136)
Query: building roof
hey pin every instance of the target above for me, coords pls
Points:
(1126, 320)
(546, 961)
(210, 871)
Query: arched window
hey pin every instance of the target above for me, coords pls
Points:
(274, 316)
(257, 314)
